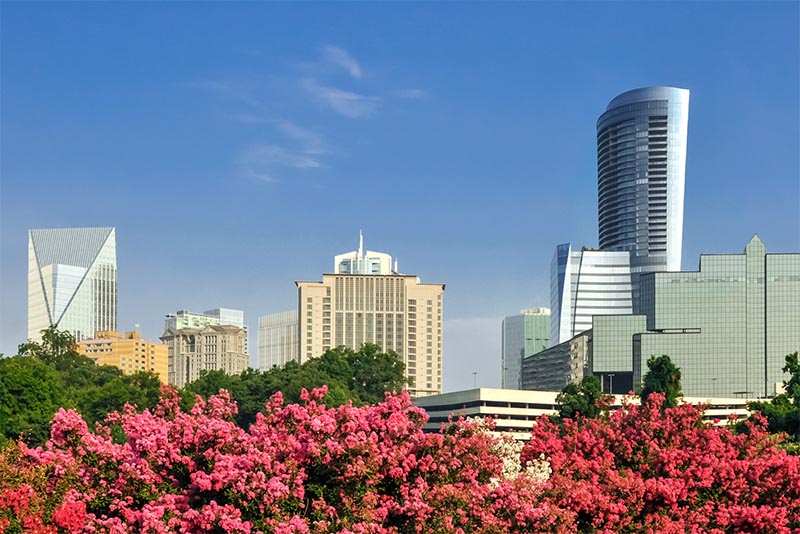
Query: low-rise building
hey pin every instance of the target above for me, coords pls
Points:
(555, 367)
(127, 351)
(516, 411)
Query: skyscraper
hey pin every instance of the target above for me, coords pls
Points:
(277, 339)
(394, 311)
(641, 170)
(523, 335)
(72, 281)
(585, 283)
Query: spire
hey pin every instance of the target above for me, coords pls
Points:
(395, 267)
(360, 245)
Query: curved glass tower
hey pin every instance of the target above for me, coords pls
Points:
(641, 170)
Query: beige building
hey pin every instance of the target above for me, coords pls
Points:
(213, 347)
(393, 311)
(129, 352)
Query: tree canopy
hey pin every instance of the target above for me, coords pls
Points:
(584, 398)
(362, 376)
(783, 412)
(662, 377)
(52, 374)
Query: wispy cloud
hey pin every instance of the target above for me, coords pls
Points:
(265, 162)
(412, 94)
(313, 143)
(341, 58)
(345, 103)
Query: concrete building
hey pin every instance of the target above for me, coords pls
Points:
(218, 316)
(728, 326)
(555, 367)
(127, 351)
(522, 335)
(516, 411)
(394, 311)
(277, 339)
(187, 319)
(584, 284)
(72, 281)
(641, 170)
(212, 347)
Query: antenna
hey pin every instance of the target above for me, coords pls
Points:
(395, 267)
(360, 244)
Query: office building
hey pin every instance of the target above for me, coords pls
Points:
(127, 351)
(641, 170)
(277, 339)
(72, 281)
(394, 311)
(517, 411)
(553, 368)
(212, 347)
(727, 326)
(583, 284)
(522, 335)
(218, 316)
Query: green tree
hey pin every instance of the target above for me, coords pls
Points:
(361, 377)
(30, 393)
(375, 372)
(662, 377)
(584, 398)
(783, 412)
(58, 348)
(793, 384)
(51, 374)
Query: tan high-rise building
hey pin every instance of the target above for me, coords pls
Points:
(394, 311)
(129, 352)
(213, 347)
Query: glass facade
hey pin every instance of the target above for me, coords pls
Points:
(523, 335)
(612, 346)
(584, 284)
(277, 339)
(641, 169)
(72, 281)
(555, 367)
(727, 326)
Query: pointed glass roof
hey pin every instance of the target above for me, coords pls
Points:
(68, 246)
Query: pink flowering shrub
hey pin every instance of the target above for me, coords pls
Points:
(311, 469)
(654, 469)
(298, 469)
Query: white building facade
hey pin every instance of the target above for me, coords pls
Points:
(584, 283)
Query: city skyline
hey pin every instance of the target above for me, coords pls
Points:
(386, 122)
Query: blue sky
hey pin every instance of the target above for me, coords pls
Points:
(238, 147)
